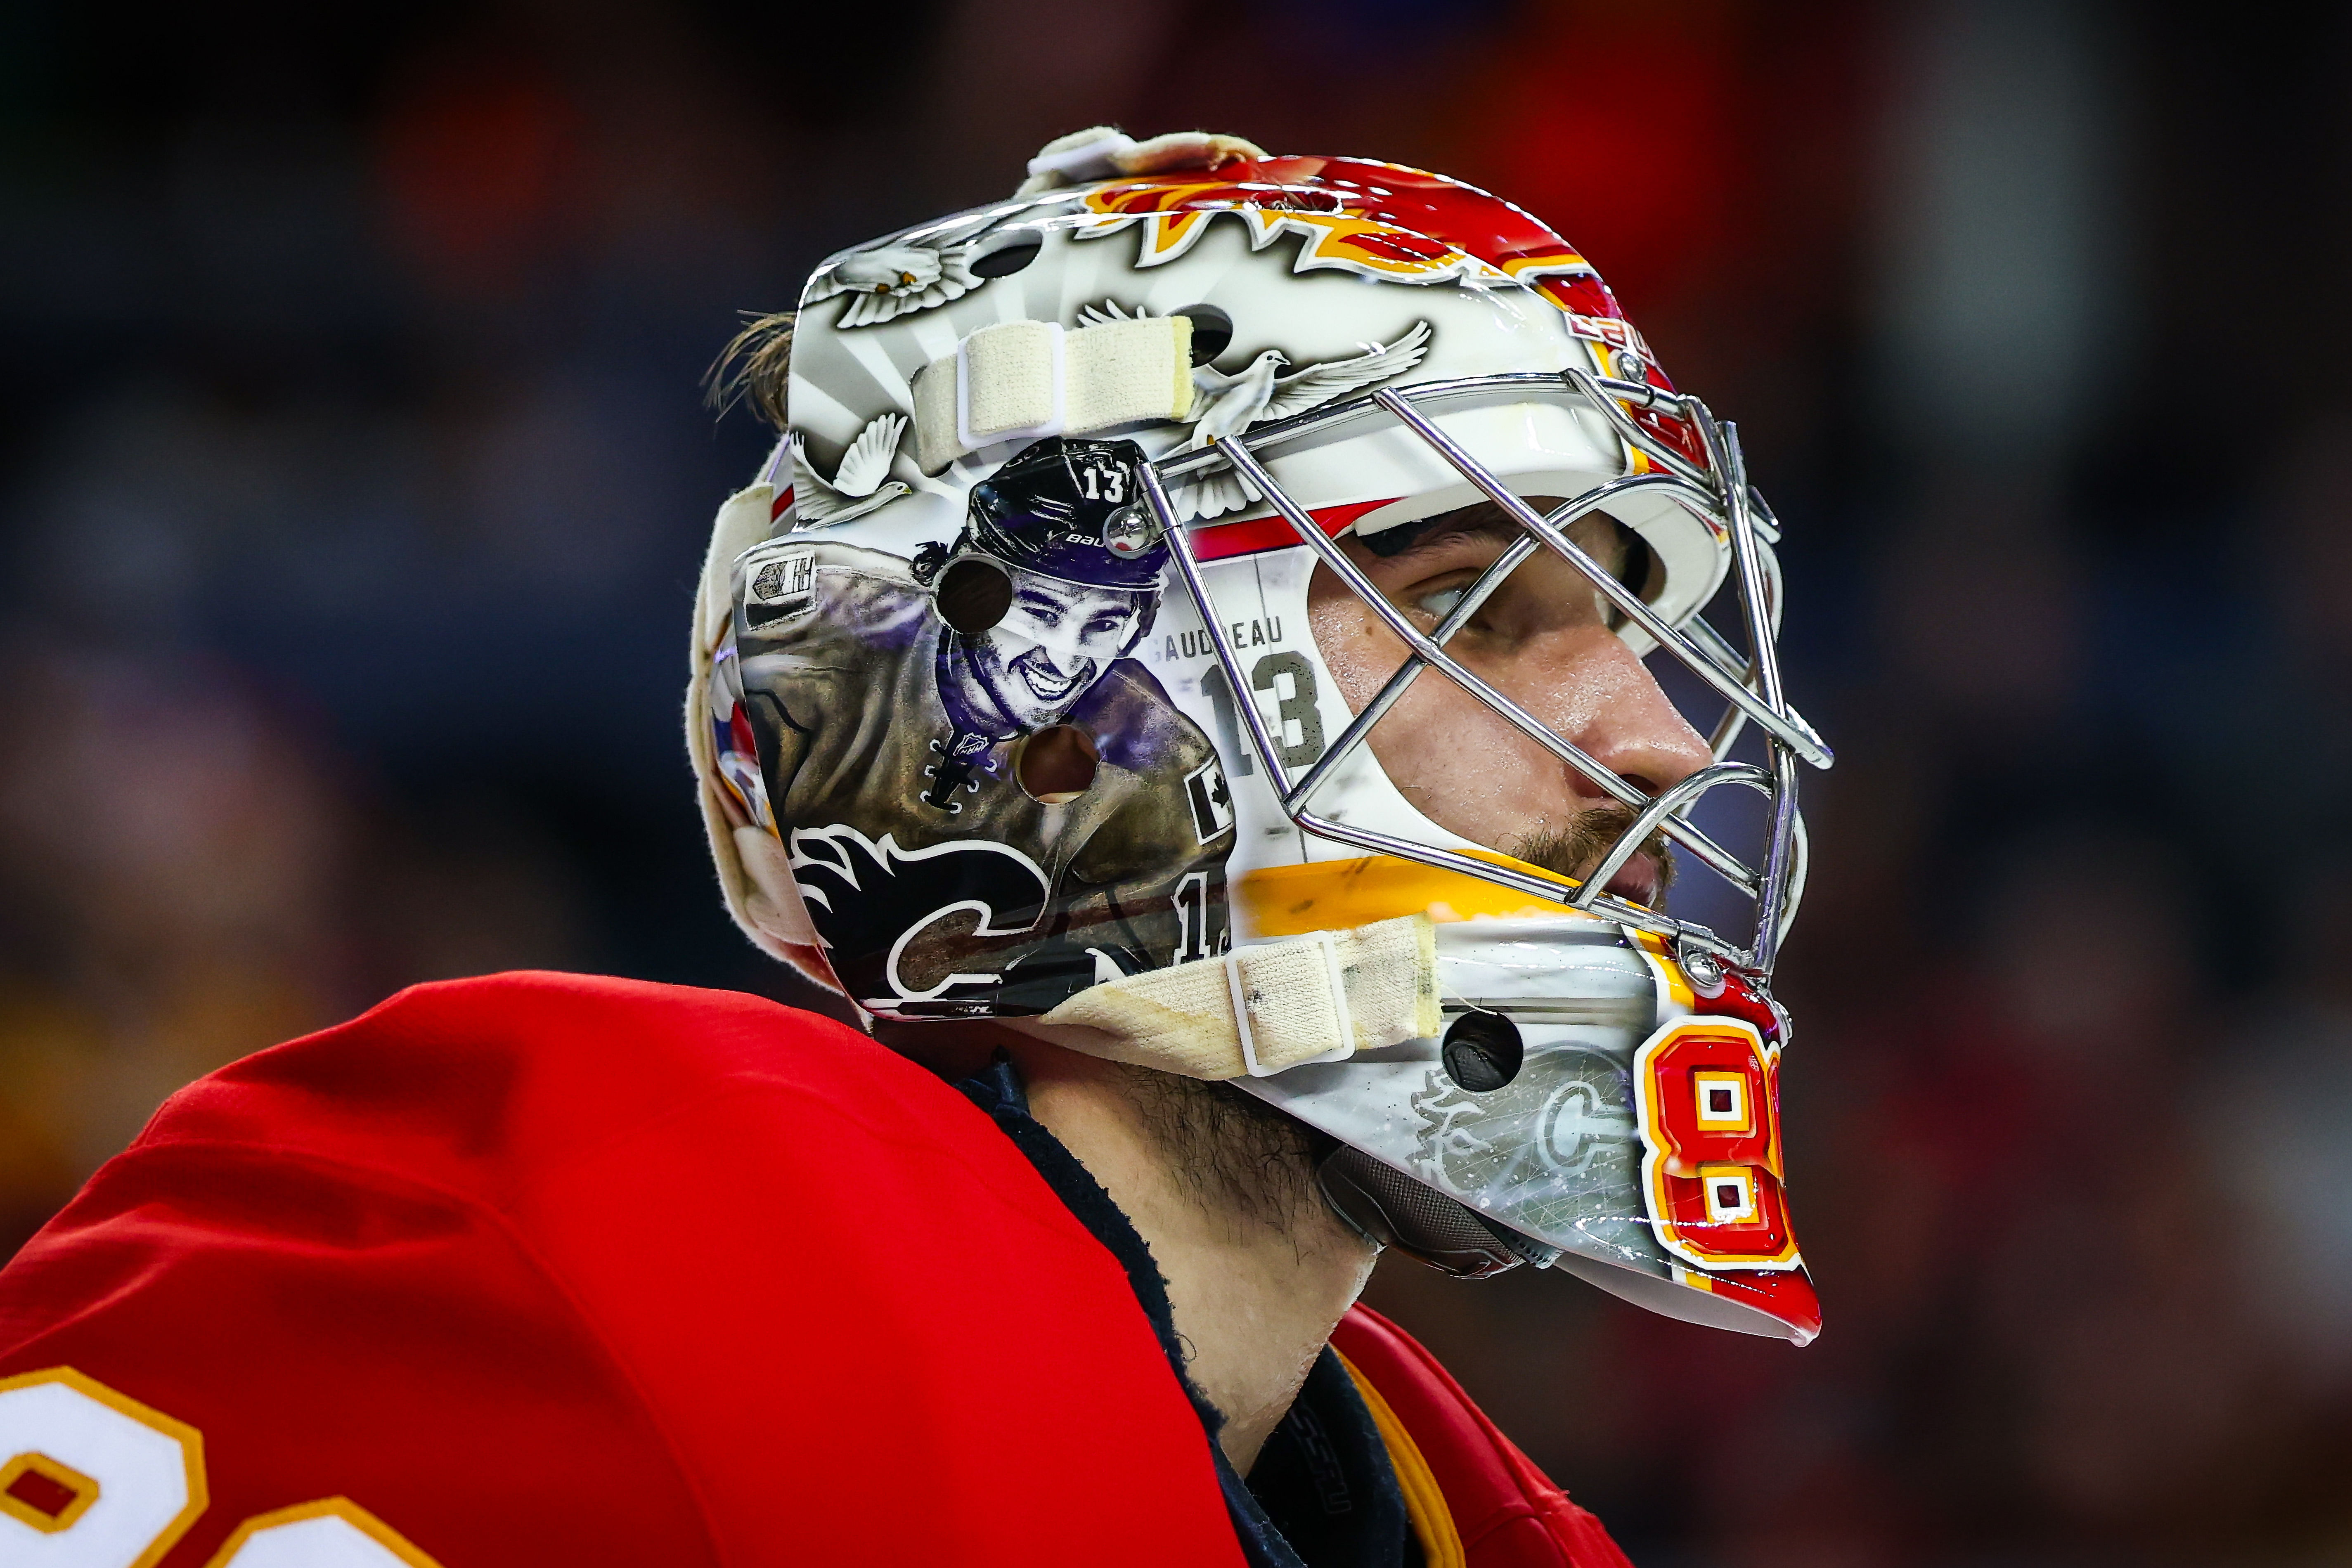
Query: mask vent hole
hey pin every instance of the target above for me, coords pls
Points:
(1008, 253)
(972, 595)
(1212, 331)
(1057, 765)
(1482, 1051)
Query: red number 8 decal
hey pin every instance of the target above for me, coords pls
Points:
(1709, 1116)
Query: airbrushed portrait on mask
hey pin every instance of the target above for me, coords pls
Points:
(984, 798)
(1044, 591)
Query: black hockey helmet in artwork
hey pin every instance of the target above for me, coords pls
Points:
(1069, 510)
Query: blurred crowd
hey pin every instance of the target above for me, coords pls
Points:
(353, 478)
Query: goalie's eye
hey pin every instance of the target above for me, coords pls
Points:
(1443, 603)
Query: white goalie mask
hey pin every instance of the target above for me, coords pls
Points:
(1099, 440)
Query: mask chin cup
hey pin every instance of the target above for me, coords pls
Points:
(1390, 1209)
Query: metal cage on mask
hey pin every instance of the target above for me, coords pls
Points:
(1749, 684)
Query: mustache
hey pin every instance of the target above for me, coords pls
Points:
(1576, 848)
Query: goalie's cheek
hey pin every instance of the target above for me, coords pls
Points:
(1468, 767)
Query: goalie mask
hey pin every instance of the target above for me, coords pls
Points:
(1008, 702)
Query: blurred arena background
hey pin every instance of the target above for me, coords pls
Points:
(354, 475)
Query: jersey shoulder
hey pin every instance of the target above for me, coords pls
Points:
(1505, 1512)
(546, 1267)
(809, 594)
(1137, 726)
(484, 1087)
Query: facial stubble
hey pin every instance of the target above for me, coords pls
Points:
(1575, 849)
(1233, 1153)
(1238, 1156)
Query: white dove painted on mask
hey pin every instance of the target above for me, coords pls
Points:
(861, 483)
(1227, 404)
(886, 281)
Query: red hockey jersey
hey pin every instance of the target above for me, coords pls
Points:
(540, 1269)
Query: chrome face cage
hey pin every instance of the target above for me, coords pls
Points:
(1750, 683)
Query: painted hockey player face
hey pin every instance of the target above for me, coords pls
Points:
(1055, 643)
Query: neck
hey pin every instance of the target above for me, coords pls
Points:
(1259, 1271)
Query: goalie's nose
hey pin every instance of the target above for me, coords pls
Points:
(1595, 691)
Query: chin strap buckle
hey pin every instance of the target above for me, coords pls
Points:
(1293, 998)
(1267, 1008)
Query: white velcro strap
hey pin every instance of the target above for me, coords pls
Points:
(1123, 372)
(1293, 996)
(1262, 1010)
(1021, 380)
(1009, 384)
